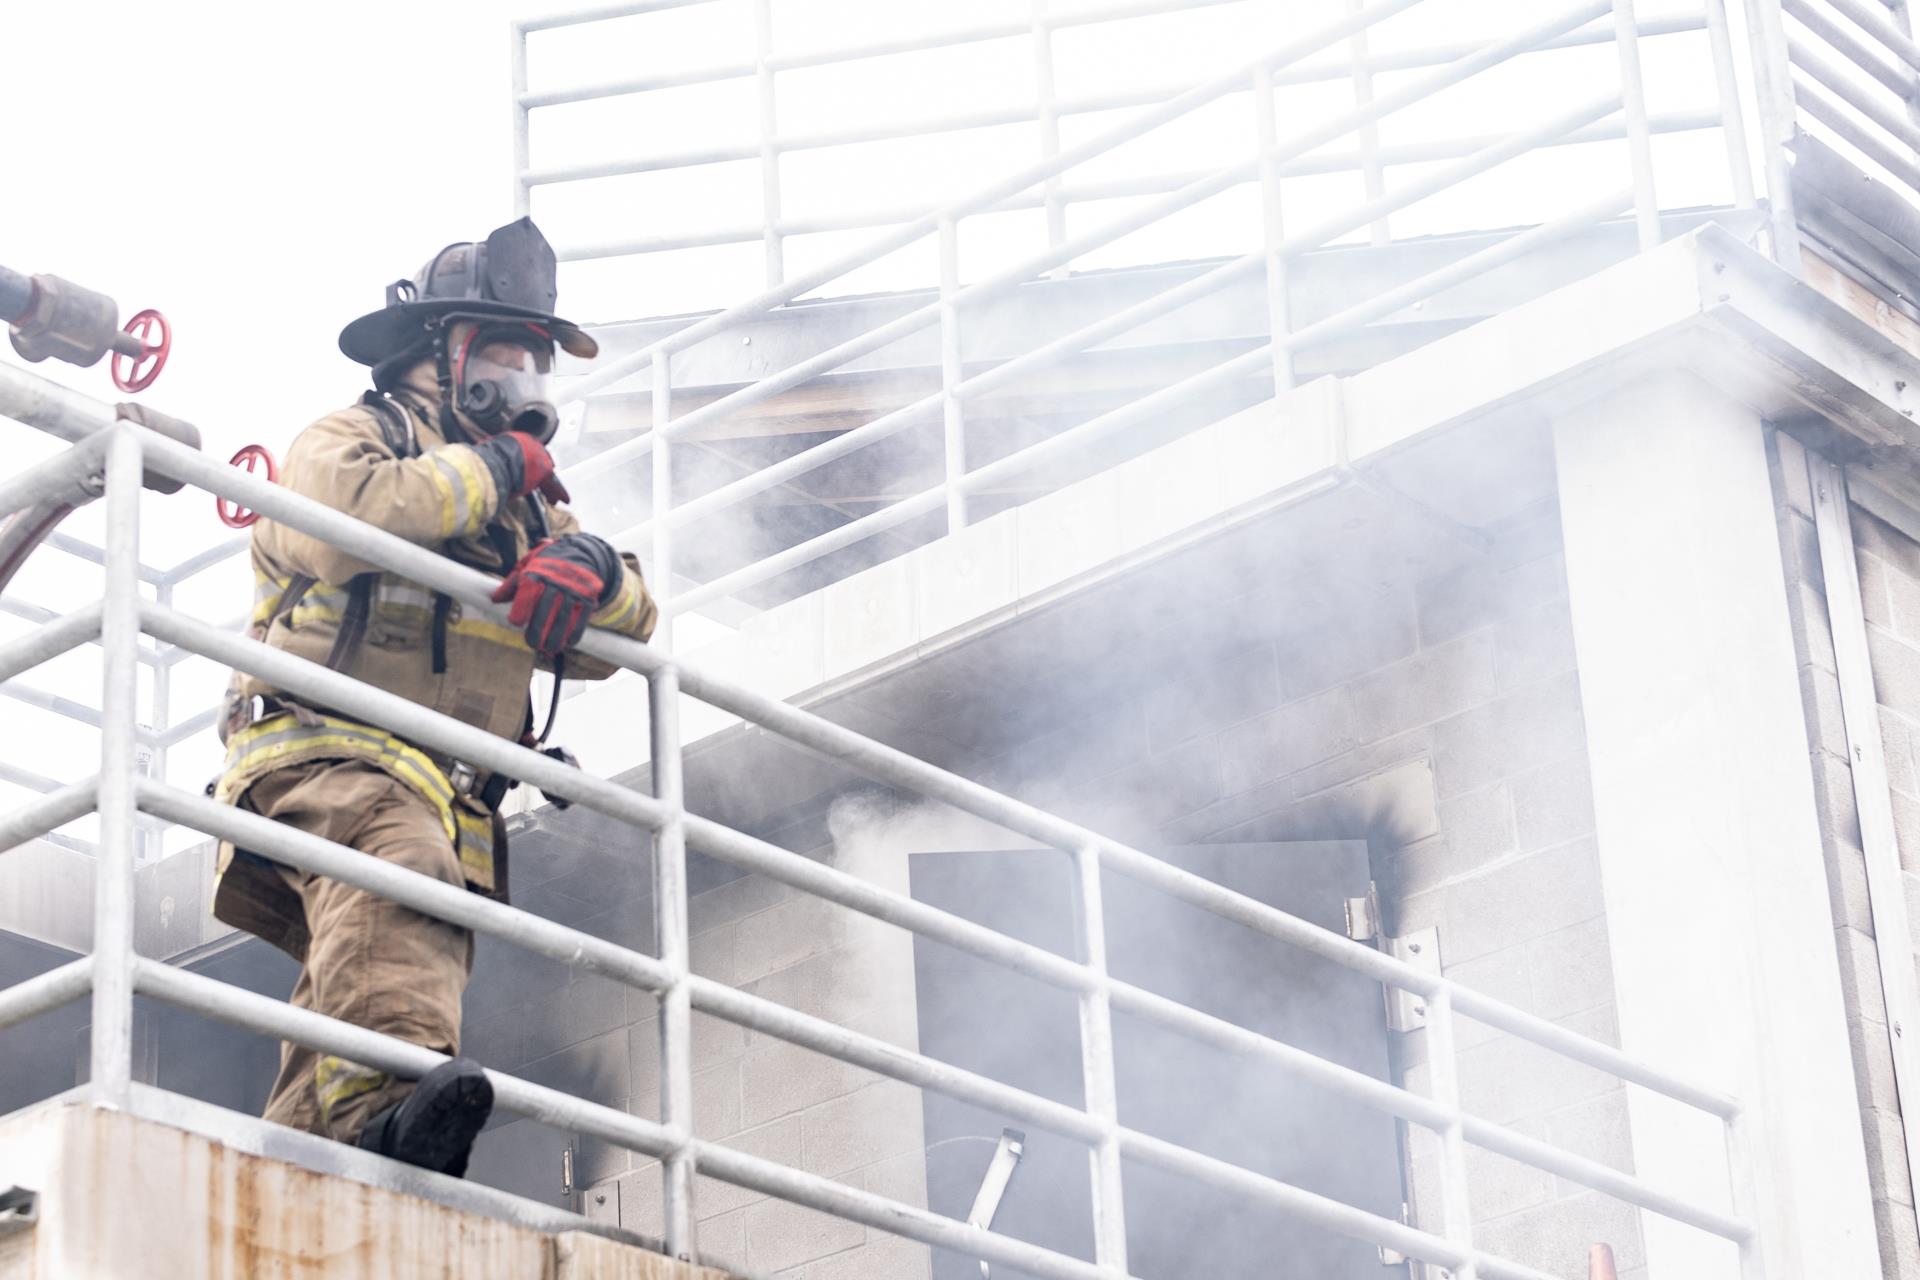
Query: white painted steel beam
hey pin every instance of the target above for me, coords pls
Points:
(1717, 912)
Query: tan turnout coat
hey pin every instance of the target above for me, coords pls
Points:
(437, 494)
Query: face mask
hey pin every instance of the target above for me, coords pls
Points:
(503, 382)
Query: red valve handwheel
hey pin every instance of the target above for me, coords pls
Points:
(136, 374)
(231, 513)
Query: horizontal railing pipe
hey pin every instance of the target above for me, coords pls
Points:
(986, 118)
(1204, 188)
(1900, 162)
(72, 476)
(1331, 1215)
(987, 196)
(238, 1007)
(1835, 80)
(192, 726)
(629, 86)
(418, 724)
(643, 164)
(801, 727)
(66, 632)
(81, 549)
(53, 810)
(1322, 161)
(836, 886)
(1598, 1177)
(46, 700)
(1249, 364)
(45, 992)
(59, 411)
(16, 776)
(263, 1014)
(216, 554)
(921, 43)
(1151, 184)
(1876, 22)
(1851, 46)
(600, 13)
(246, 1009)
(11, 605)
(311, 853)
(307, 852)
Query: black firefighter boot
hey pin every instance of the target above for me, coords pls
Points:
(435, 1125)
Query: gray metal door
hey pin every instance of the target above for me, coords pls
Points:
(982, 1017)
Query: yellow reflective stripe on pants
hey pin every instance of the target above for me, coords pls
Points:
(335, 1080)
(476, 841)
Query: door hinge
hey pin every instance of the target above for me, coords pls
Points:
(1363, 915)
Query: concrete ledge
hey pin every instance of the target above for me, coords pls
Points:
(123, 1198)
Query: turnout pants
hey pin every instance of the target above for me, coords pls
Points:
(369, 961)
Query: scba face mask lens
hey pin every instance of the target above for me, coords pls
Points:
(504, 382)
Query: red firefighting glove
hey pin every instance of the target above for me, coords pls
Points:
(556, 587)
(521, 464)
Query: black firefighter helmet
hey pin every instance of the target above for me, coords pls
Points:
(508, 276)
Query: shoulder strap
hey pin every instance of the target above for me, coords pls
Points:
(353, 623)
(396, 424)
(296, 589)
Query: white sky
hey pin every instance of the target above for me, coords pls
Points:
(259, 172)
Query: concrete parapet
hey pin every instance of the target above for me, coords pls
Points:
(122, 1198)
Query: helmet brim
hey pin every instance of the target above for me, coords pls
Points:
(381, 334)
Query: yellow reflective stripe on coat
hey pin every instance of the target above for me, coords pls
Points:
(457, 476)
(621, 612)
(335, 1080)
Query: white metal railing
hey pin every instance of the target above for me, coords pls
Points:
(1855, 72)
(1419, 77)
(1386, 86)
(1849, 64)
(1843, 53)
(113, 974)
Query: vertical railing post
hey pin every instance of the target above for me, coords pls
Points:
(522, 147)
(1047, 105)
(1633, 98)
(112, 1036)
(1096, 1065)
(1274, 228)
(160, 716)
(670, 930)
(953, 410)
(670, 848)
(662, 453)
(1773, 95)
(769, 142)
(1373, 172)
(1745, 1196)
(1733, 115)
(1443, 1068)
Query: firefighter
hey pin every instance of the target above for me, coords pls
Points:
(448, 451)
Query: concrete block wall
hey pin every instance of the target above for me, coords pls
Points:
(1889, 567)
(1441, 720)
